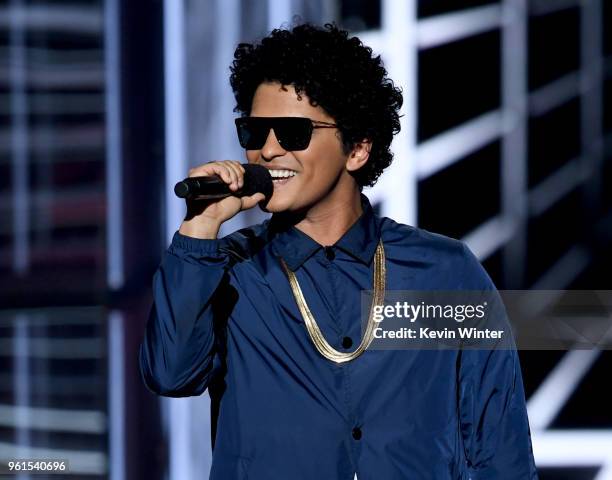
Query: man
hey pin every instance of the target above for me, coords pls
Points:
(268, 318)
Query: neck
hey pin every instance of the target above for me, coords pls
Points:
(329, 219)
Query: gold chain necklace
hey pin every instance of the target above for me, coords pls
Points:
(316, 336)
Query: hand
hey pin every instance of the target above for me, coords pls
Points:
(204, 217)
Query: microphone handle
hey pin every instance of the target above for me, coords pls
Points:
(213, 196)
(214, 187)
(256, 179)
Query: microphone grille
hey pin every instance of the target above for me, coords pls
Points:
(257, 179)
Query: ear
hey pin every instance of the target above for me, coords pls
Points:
(359, 155)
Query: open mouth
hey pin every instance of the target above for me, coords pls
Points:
(282, 177)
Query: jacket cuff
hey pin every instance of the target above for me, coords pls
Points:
(203, 246)
(198, 249)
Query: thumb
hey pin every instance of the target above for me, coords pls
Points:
(252, 200)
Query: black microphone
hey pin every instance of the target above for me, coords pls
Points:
(256, 179)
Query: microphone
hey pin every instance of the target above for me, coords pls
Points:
(256, 179)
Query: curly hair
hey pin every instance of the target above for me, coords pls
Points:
(336, 72)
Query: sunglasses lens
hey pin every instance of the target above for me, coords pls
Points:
(252, 133)
(292, 133)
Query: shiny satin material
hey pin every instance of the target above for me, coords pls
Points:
(224, 318)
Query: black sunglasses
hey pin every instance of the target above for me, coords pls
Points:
(292, 133)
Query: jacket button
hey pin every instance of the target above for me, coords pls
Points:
(356, 433)
(347, 342)
(329, 253)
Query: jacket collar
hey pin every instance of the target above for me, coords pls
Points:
(360, 240)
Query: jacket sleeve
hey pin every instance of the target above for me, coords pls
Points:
(176, 354)
(492, 408)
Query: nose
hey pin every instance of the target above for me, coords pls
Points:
(272, 148)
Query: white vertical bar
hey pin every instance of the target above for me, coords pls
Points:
(227, 14)
(514, 140)
(176, 168)
(605, 473)
(19, 137)
(21, 384)
(397, 187)
(179, 418)
(114, 193)
(175, 110)
(591, 100)
(116, 396)
(279, 11)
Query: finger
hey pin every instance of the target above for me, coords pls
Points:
(241, 172)
(208, 169)
(233, 174)
(223, 171)
(236, 172)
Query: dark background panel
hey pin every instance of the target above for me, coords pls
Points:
(494, 265)
(358, 15)
(607, 105)
(535, 367)
(554, 46)
(607, 26)
(589, 406)
(457, 82)
(5, 173)
(551, 234)
(461, 197)
(554, 138)
(64, 40)
(569, 473)
(607, 183)
(596, 276)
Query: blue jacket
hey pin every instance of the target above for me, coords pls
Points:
(224, 318)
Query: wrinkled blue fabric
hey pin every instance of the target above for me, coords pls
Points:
(224, 319)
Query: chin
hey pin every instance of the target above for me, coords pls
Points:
(281, 202)
(274, 205)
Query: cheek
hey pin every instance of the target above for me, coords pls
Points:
(325, 161)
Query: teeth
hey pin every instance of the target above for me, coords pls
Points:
(282, 173)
